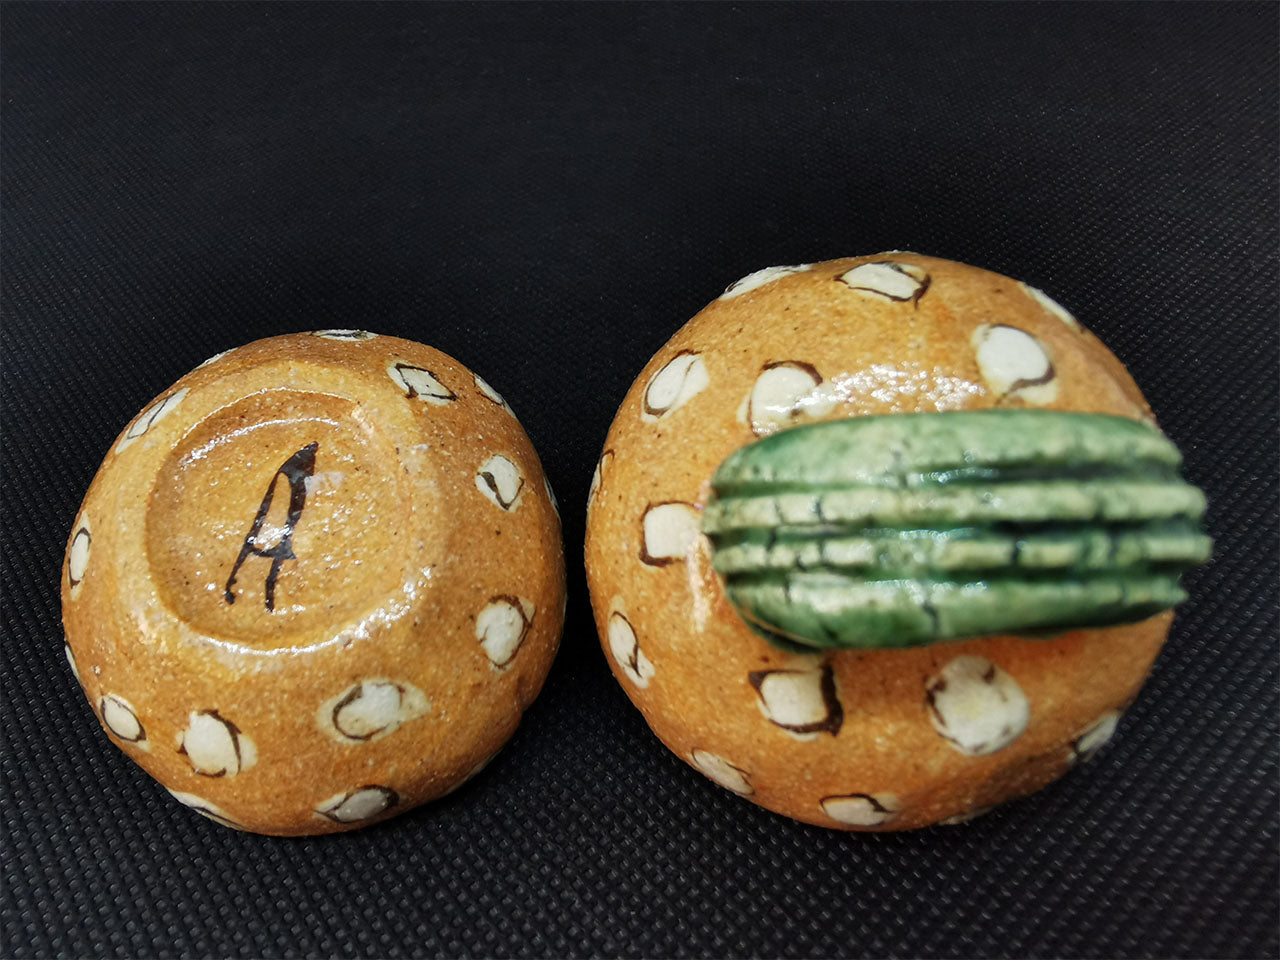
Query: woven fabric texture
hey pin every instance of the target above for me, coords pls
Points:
(547, 192)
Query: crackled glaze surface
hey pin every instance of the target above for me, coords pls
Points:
(315, 582)
(883, 739)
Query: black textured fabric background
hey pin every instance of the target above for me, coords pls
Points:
(547, 193)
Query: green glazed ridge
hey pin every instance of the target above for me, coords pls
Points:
(906, 529)
(1173, 543)
(1044, 502)
(889, 450)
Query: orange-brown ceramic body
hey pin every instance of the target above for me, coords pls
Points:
(694, 669)
(371, 679)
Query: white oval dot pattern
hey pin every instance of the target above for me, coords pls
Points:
(1095, 736)
(214, 359)
(1014, 363)
(782, 393)
(965, 817)
(597, 477)
(492, 394)
(862, 809)
(78, 555)
(370, 710)
(421, 384)
(501, 482)
(215, 746)
(364, 803)
(150, 417)
(803, 702)
(625, 648)
(206, 809)
(356, 335)
(977, 707)
(716, 768)
(890, 280)
(119, 716)
(668, 531)
(71, 662)
(501, 627)
(1051, 305)
(753, 281)
(679, 381)
(551, 495)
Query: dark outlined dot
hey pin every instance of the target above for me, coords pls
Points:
(421, 384)
(370, 710)
(215, 746)
(150, 417)
(363, 803)
(862, 809)
(888, 280)
(206, 809)
(680, 380)
(1095, 736)
(1051, 305)
(625, 648)
(492, 395)
(597, 478)
(502, 626)
(1014, 363)
(753, 281)
(784, 391)
(666, 532)
(721, 771)
(78, 555)
(119, 716)
(975, 706)
(802, 702)
(501, 482)
(356, 335)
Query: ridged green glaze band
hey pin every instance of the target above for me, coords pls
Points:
(901, 530)
(895, 450)
(1051, 501)
(902, 552)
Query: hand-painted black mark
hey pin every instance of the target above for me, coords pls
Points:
(295, 470)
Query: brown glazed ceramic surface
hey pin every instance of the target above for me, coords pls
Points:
(889, 739)
(316, 582)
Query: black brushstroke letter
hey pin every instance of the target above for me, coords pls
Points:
(295, 470)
